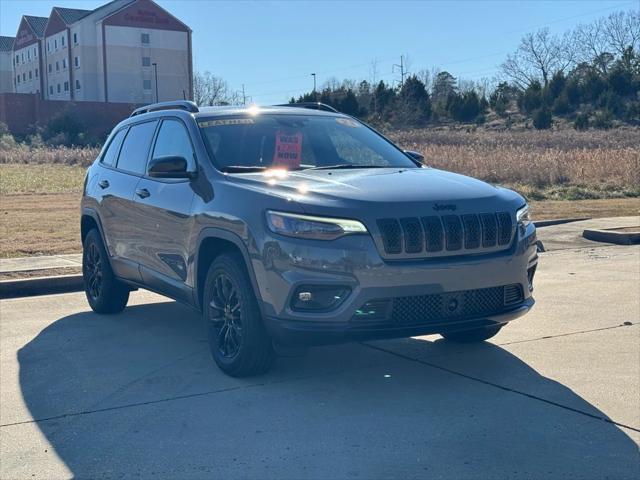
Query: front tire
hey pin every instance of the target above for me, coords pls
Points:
(105, 293)
(239, 343)
(472, 336)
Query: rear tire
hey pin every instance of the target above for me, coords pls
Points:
(239, 343)
(472, 336)
(105, 293)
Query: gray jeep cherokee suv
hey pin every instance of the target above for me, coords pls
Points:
(298, 225)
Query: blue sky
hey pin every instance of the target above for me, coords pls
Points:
(272, 46)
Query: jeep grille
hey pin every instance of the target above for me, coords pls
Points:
(447, 233)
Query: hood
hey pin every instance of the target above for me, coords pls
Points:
(387, 188)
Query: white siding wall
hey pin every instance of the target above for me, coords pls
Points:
(26, 67)
(125, 74)
(58, 58)
(6, 72)
(89, 74)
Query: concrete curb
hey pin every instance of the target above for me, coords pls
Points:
(26, 287)
(611, 236)
(559, 221)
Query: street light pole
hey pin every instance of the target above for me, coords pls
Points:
(315, 95)
(155, 68)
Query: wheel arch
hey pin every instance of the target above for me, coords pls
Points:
(213, 242)
(88, 221)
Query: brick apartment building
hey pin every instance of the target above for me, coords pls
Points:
(126, 51)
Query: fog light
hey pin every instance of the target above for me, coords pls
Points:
(305, 296)
(319, 297)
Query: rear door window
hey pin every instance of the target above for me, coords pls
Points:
(111, 153)
(135, 148)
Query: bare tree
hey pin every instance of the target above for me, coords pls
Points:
(428, 77)
(600, 41)
(331, 83)
(622, 30)
(485, 86)
(591, 41)
(539, 56)
(211, 90)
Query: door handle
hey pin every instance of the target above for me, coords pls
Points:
(103, 184)
(142, 192)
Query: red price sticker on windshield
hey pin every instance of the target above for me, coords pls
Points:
(288, 149)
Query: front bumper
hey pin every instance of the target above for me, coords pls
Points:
(286, 264)
(288, 332)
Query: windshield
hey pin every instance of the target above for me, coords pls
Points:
(297, 142)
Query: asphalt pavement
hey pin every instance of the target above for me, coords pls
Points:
(136, 395)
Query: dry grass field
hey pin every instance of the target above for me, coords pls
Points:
(42, 224)
(25, 155)
(563, 173)
(562, 165)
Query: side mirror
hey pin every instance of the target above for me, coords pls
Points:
(169, 167)
(415, 155)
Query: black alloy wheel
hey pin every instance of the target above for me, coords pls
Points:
(225, 316)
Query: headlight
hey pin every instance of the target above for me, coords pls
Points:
(315, 228)
(522, 216)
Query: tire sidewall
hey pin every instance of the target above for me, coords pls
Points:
(255, 353)
(113, 295)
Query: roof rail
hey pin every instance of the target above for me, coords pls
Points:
(174, 105)
(310, 105)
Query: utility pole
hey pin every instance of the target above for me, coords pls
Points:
(155, 68)
(401, 67)
(315, 95)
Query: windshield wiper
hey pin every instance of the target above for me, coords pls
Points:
(345, 166)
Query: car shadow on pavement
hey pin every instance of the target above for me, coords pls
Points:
(137, 395)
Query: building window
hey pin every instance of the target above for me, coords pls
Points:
(75, 38)
(146, 84)
(64, 63)
(62, 40)
(144, 38)
(66, 86)
(36, 73)
(76, 61)
(49, 68)
(30, 75)
(18, 78)
(24, 77)
(28, 54)
(48, 46)
(55, 43)
(35, 52)
(146, 61)
(77, 84)
(57, 66)
(17, 60)
(58, 88)
(50, 89)
(22, 57)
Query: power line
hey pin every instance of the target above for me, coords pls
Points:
(401, 66)
(560, 20)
